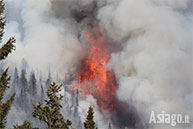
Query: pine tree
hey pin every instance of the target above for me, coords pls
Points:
(32, 84)
(25, 125)
(49, 79)
(23, 100)
(23, 80)
(7, 48)
(49, 113)
(42, 93)
(15, 79)
(89, 123)
(15, 76)
(4, 107)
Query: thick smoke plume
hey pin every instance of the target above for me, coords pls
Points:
(153, 41)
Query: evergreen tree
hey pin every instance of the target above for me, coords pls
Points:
(76, 105)
(89, 123)
(49, 79)
(25, 125)
(15, 76)
(42, 94)
(15, 79)
(7, 48)
(23, 101)
(4, 107)
(23, 80)
(49, 113)
(32, 84)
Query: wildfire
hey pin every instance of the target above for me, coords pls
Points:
(93, 77)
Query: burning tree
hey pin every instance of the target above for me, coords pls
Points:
(50, 113)
(93, 77)
(4, 79)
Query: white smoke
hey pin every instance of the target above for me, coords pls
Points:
(98, 117)
(42, 40)
(154, 66)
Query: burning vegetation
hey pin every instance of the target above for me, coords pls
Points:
(95, 79)
(93, 76)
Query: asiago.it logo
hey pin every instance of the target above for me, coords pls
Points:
(166, 118)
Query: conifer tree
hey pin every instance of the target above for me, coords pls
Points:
(4, 107)
(32, 84)
(49, 113)
(25, 125)
(89, 123)
(7, 48)
(42, 93)
(23, 80)
(15, 76)
(15, 82)
(49, 79)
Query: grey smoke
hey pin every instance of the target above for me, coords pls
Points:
(155, 67)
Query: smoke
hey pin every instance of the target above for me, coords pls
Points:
(154, 61)
(45, 42)
(98, 117)
(154, 66)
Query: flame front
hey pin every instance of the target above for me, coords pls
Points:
(93, 77)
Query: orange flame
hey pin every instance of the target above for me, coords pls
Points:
(93, 77)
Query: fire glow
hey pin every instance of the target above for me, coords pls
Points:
(93, 77)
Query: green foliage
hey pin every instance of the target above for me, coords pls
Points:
(25, 125)
(4, 80)
(4, 107)
(9, 45)
(89, 123)
(50, 112)
(7, 48)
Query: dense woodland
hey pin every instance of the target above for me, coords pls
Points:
(38, 98)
